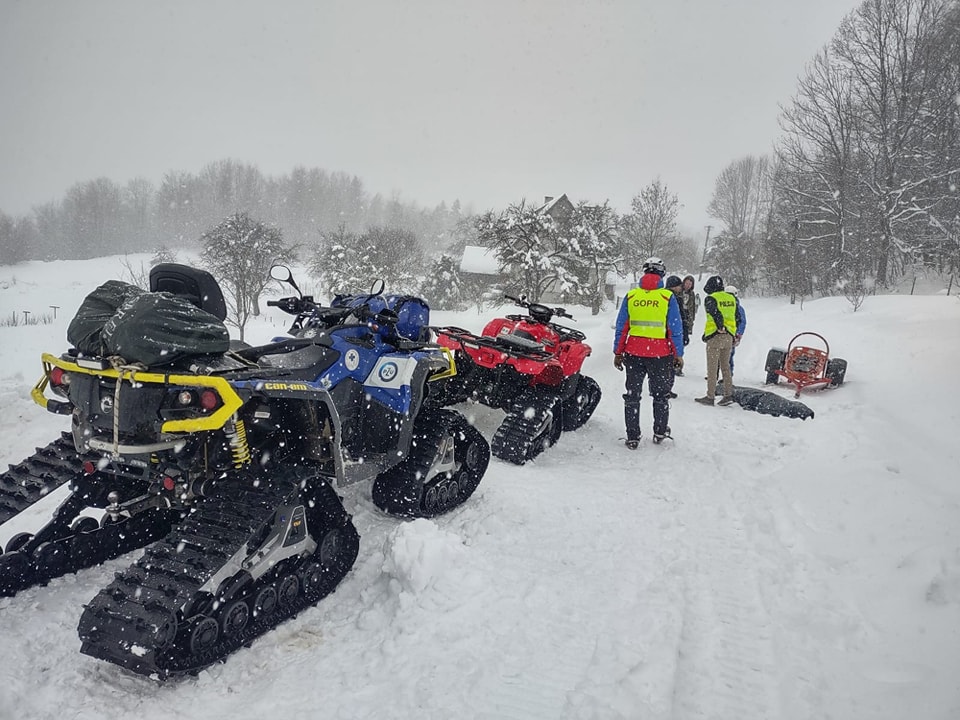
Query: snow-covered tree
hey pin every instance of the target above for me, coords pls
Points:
(596, 247)
(533, 251)
(239, 252)
(346, 262)
(442, 287)
(340, 262)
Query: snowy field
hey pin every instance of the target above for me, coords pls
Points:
(755, 568)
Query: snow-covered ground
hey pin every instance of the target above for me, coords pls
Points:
(755, 568)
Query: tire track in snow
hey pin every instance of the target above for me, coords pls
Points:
(726, 664)
(608, 656)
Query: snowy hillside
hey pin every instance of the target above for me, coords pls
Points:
(755, 568)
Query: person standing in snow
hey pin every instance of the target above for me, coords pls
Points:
(689, 302)
(719, 331)
(741, 323)
(675, 285)
(648, 342)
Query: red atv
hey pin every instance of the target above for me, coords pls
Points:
(529, 367)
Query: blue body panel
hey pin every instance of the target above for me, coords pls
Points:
(384, 372)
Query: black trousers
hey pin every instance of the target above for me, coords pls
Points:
(660, 372)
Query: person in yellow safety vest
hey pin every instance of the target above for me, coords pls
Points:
(719, 331)
(648, 342)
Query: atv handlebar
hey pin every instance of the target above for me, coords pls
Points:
(540, 313)
(305, 308)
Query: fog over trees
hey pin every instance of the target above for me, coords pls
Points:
(861, 189)
(862, 186)
(100, 217)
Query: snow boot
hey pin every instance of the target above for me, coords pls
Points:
(726, 400)
(705, 400)
(660, 437)
(632, 444)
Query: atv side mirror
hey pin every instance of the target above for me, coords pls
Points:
(377, 287)
(283, 274)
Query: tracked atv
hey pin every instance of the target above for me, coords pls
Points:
(225, 466)
(530, 367)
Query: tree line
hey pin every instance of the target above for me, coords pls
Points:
(101, 217)
(862, 186)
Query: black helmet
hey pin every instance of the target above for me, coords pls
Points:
(713, 284)
(654, 265)
(672, 282)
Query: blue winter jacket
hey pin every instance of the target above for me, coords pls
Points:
(674, 323)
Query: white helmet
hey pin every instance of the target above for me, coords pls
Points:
(732, 289)
(654, 265)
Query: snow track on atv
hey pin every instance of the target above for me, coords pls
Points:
(531, 426)
(158, 617)
(84, 544)
(410, 489)
(578, 408)
(36, 476)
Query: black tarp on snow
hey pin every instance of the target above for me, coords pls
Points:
(769, 403)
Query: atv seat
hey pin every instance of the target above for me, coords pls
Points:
(197, 286)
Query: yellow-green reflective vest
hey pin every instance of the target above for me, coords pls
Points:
(728, 308)
(648, 312)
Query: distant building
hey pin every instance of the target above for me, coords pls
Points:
(480, 264)
(560, 209)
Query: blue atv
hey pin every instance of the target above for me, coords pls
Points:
(224, 460)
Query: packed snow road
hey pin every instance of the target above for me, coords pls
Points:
(755, 567)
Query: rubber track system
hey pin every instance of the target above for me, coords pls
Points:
(138, 620)
(578, 408)
(38, 475)
(69, 548)
(532, 425)
(410, 490)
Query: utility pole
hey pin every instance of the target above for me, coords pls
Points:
(793, 260)
(703, 260)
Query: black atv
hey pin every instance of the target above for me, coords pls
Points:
(224, 459)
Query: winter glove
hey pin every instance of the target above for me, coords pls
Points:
(618, 361)
(736, 340)
(686, 340)
(678, 363)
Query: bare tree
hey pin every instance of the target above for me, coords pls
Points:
(817, 176)
(139, 224)
(891, 49)
(742, 199)
(239, 252)
(651, 227)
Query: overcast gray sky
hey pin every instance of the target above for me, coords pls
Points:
(486, 101)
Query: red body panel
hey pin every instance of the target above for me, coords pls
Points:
(547, 363)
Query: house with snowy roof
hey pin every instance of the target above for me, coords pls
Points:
(479, 264)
